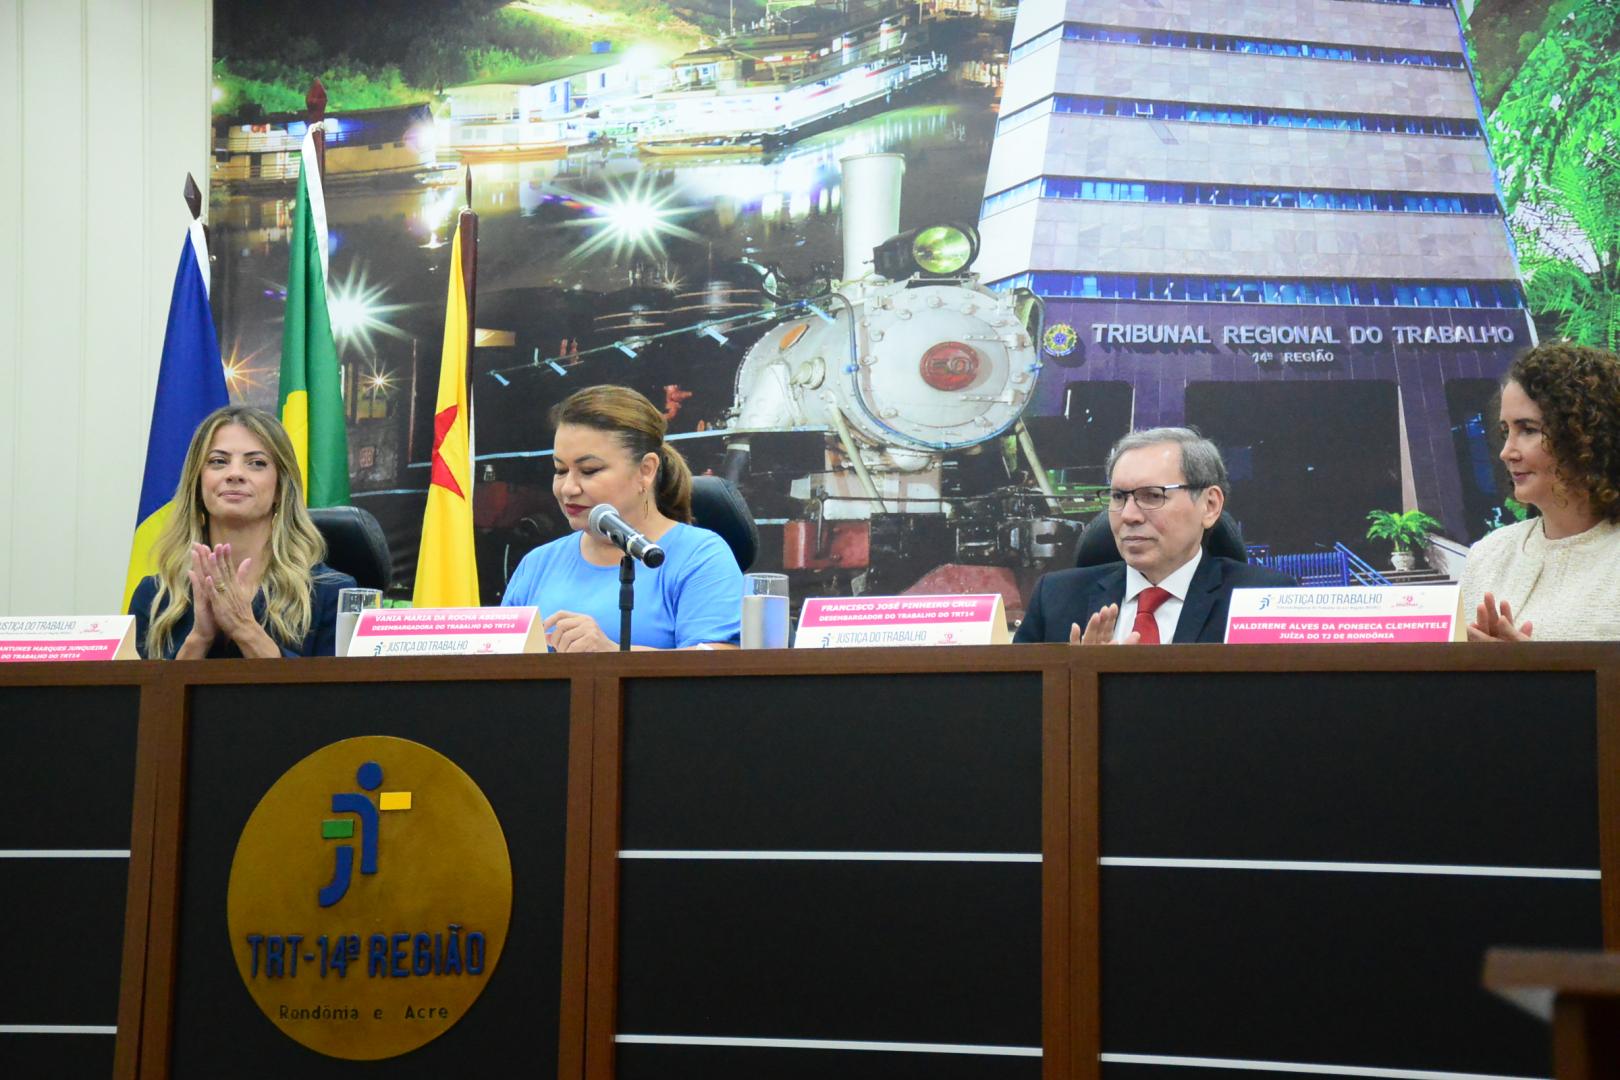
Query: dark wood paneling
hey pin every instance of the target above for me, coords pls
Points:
(509, 736)
(576, 881)
(834, 763)
(77, 775)
(54, 1056)
(594, 795)
(1354, 969)
(871, 951)
(1056, 957)
(602, 968)
(157, 700)
(1085, 885)
(1390, 767)
(172, 742)
(64, 921)
(67, 765)
(1608, 711)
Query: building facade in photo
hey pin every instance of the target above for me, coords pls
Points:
(1278, 221)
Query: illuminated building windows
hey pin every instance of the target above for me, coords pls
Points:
(1026, 115)
(1039, 41)
(1274, 198)
(1411, 3)
(1196, 288)
(1299, 50)
(1140, 109)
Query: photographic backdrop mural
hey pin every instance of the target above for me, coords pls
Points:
(904, 271)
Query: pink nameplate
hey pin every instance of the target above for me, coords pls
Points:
(447, 632)
(1343, 616)
(830, 622)
(36, 638)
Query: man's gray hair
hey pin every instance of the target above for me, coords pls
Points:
(1201, 464)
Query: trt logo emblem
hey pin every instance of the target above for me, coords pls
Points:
(370, 777)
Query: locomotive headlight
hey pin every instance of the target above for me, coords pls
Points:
(950, 366)
(932, 251)
(945, 249)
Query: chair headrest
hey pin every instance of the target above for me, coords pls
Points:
(718, 506)
(1223, 540)
(355, 545)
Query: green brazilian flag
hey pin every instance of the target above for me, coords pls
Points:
(311, 397)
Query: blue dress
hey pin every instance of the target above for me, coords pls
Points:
(694, 597)
(320, 641)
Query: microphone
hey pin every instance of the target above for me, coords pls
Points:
(606, 523)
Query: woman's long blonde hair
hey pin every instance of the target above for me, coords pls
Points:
(294, 549)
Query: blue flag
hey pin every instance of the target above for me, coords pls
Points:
(191, 384)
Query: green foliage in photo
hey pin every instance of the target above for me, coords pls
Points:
(1556, 138)
(397, 52)
(1404, 529)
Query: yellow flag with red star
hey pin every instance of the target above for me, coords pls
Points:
(446, 568)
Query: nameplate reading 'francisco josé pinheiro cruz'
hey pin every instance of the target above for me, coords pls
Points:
(834, 622)
(369, 898)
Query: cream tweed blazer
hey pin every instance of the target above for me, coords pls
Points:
(1569, 589)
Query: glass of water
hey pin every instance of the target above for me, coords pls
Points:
(765, 611)
(351, 602)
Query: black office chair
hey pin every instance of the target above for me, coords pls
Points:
(718, 506)
(1223, 539)
(355, 545)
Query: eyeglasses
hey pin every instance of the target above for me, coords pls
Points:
(1147, 498)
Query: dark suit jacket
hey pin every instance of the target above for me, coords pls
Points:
(320, 641)
(1065, 597)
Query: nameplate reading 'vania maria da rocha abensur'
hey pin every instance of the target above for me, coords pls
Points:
(489, 631)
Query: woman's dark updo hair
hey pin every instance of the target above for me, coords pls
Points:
(640, 428)
(1577, 389)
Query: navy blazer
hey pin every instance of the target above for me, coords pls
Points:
(1065, 597)
(320, 641)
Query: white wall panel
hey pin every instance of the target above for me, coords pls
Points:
(50, 361)
(11, 264)
(109, 112)
(114, 317)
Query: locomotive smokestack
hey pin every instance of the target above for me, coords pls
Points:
(871, 207)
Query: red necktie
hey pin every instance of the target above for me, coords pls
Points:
(1147, 602)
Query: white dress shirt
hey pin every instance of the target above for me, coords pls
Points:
(1169, 612)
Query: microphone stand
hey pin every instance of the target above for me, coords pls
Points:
(627, 599)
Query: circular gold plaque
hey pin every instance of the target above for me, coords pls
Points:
(369, 898)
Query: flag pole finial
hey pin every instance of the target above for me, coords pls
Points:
(315, 101)
(193, 197)
(315, 104)
(469, 185)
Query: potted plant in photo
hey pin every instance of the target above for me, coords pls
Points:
(1406, 530)
(1511, 510)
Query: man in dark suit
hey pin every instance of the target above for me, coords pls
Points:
(1168, 486)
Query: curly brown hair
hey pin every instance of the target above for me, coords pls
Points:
(1577, 389)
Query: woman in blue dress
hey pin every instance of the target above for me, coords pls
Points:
(610, 449)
